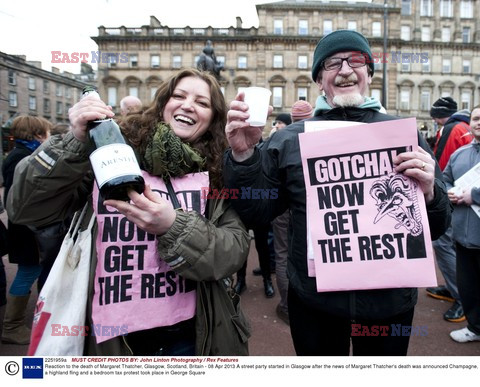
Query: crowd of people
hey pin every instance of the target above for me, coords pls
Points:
(188, 139)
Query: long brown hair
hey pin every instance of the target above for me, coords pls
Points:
(139, 128)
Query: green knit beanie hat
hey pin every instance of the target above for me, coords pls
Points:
(339, 41)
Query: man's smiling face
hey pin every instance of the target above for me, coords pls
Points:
(345, 86)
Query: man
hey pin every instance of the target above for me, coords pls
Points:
(320, 323)
(454, 132)
(130, 104)
(466, 226)
(301, 110)
(281, 121)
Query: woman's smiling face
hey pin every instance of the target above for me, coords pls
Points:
(189, 109)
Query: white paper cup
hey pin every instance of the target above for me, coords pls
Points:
(257, 99)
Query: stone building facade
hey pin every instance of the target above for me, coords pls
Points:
(430, 49)
(26, 88)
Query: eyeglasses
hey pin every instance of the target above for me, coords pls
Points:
(337, 63)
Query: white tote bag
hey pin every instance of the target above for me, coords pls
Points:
(59, 321)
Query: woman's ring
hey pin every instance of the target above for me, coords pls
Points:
(423, 166)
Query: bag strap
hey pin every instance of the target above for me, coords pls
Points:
(173, 195)
(77, 221)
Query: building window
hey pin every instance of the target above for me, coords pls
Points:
(12, 99)
(133, 91)
(177, 61)
(46, 87)
(352, 25)
(302, 61)
(46, 105)
(221, 60)
(426, 67)
(32, 84)
(446, 93)
(467, 66)
(425, 34)
(466, 98)
(278, 27)
(446, 9)
(242, 62)
(302, 93)
(446, 66)
(466, 34)
(153, 90)
(303, 27)
(133, 60)
(59, 108)
(425, 100)
(155, 61)
(376, 94)
(111, 61)
(406, 7)
(446, 34)
(32, 102)
(179, 31)
(466, 10)
(406, 66)
(68, 92)
(112, 96)
(405, 100)
(376, 29)
(12, 78)
(405, 33)
(327, 27)
(278, 61)
(277, 97)
(425, 7)
(58, 90)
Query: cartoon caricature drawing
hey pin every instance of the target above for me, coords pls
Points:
(396, 197)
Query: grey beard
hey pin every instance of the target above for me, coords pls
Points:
(348, 100)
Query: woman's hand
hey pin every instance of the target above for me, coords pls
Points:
(420, 166)
(148, 211)
(87, 109)
(241, 137)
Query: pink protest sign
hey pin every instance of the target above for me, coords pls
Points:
(134, 288)
(367, 224)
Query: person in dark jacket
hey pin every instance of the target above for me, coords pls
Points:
(321, 323)
(29, 132)
(454, 133)
(465, 225)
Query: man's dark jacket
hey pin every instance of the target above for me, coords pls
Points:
(277, 165)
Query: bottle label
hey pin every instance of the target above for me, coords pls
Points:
(114, 160)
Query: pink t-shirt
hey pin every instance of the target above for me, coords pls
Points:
(134, 288)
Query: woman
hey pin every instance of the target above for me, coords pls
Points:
(160, 274)
(29, 132)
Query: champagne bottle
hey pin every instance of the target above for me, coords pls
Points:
(113, 161)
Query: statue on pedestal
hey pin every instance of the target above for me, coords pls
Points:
(208, 61)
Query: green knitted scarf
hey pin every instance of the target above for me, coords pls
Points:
(168, 156)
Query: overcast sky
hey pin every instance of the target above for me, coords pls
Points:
(35, 28)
